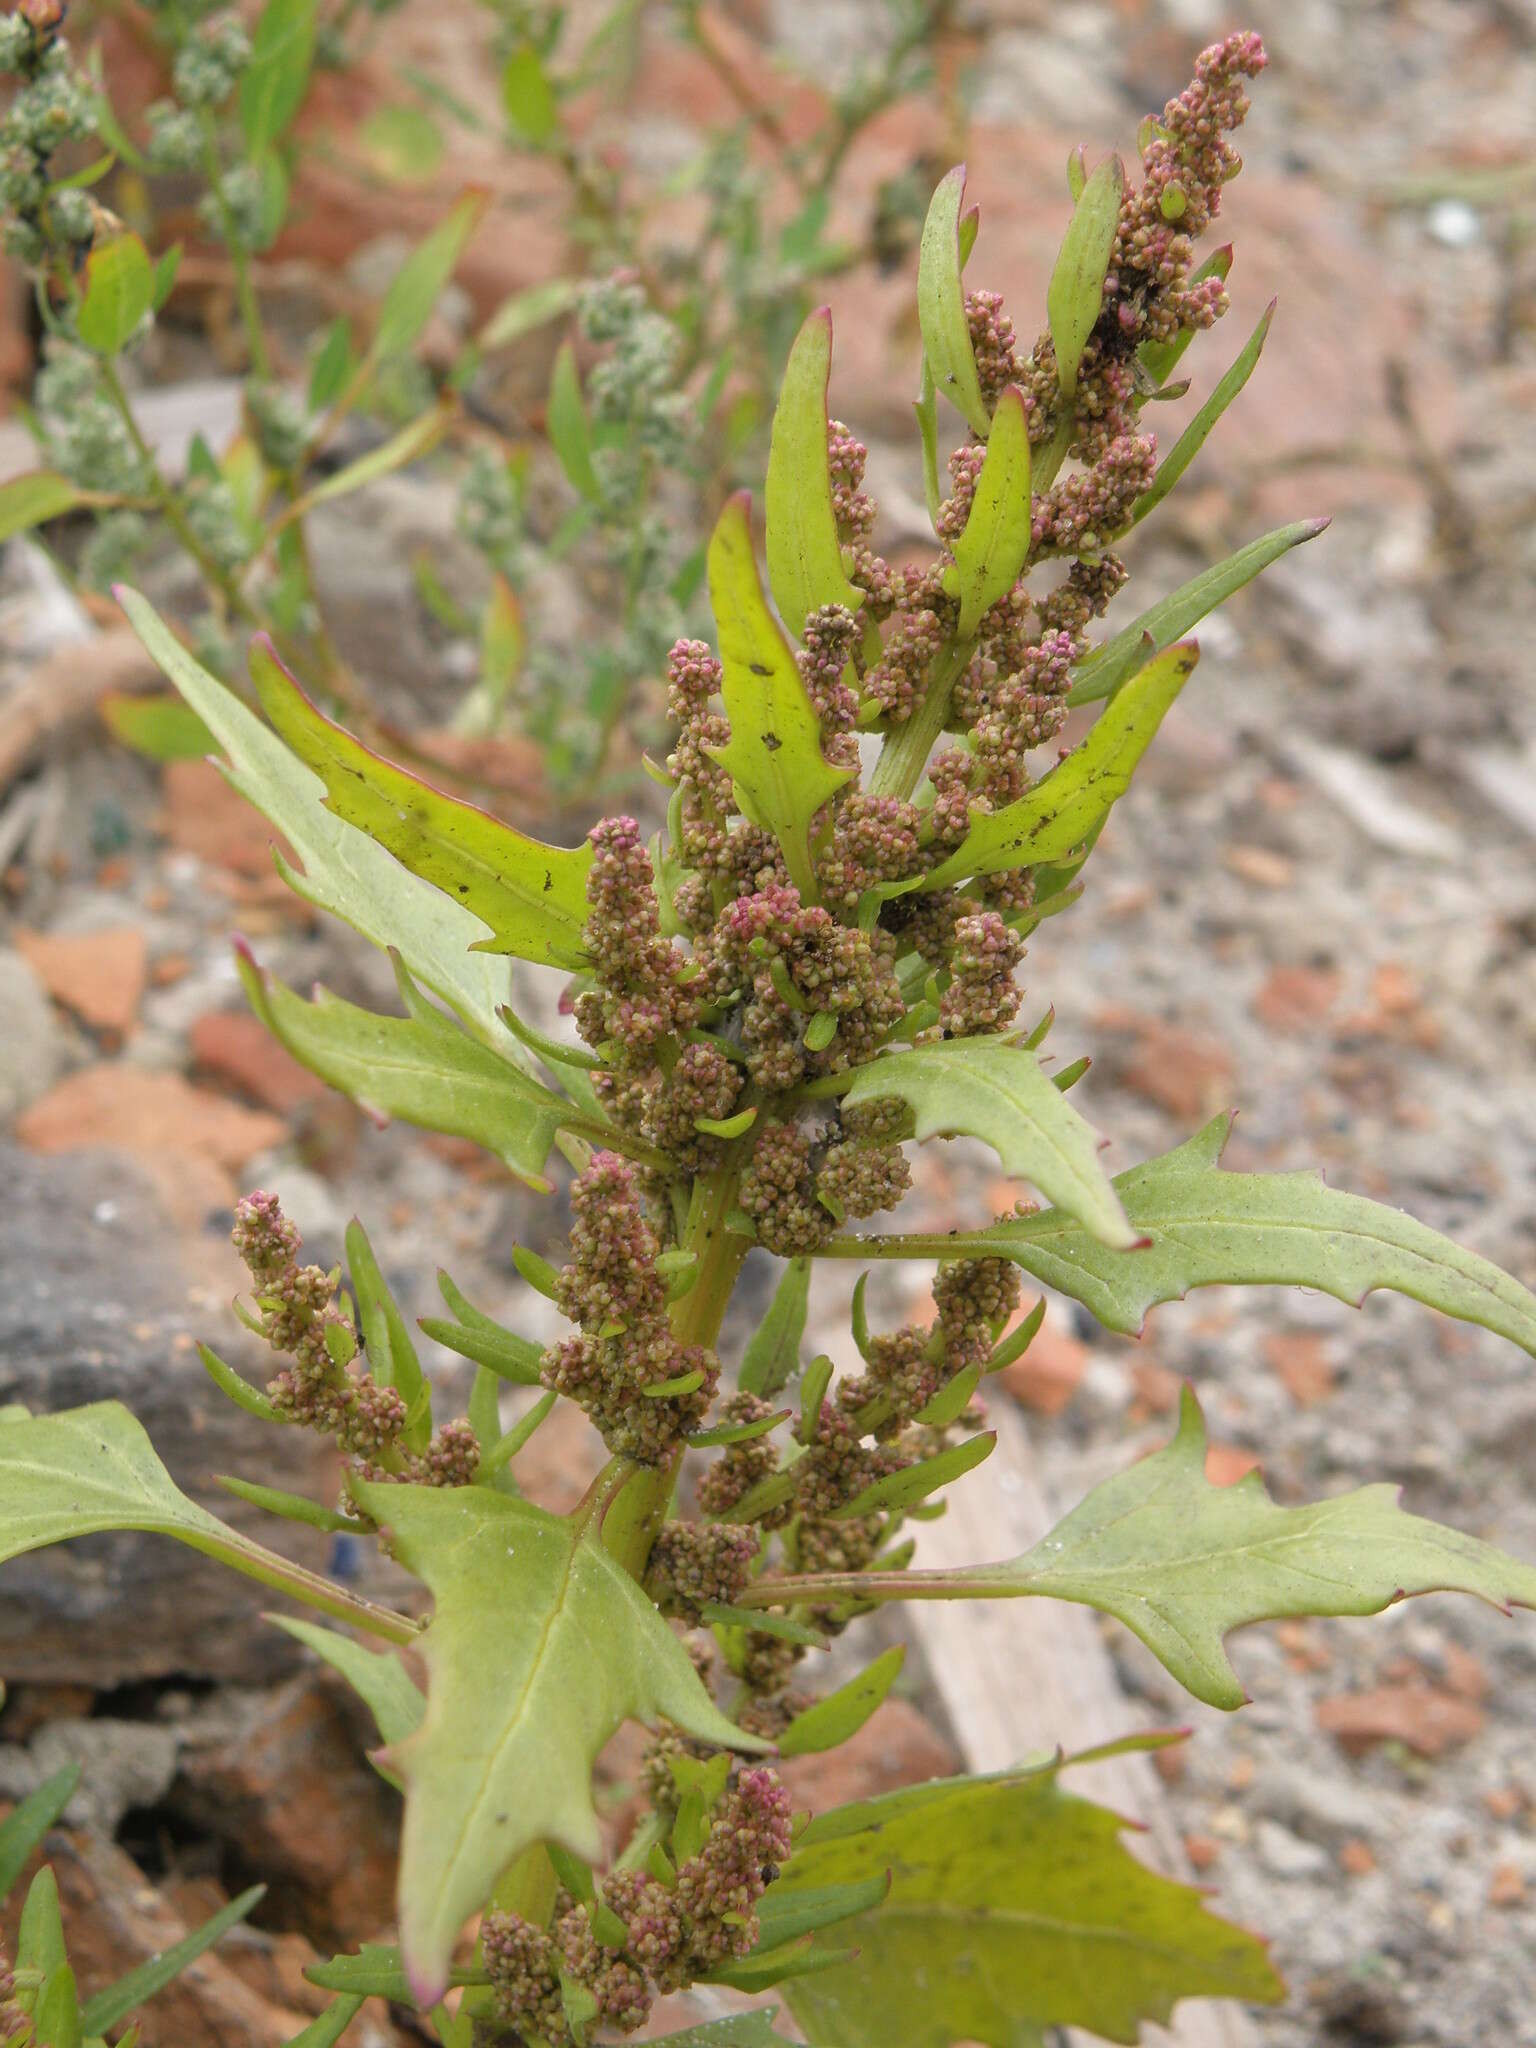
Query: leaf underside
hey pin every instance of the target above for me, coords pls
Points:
(1182, 1561)
(516, 1714)
(990, 1089)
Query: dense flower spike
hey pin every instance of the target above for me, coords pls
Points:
(673, 1932)
(613, 1291)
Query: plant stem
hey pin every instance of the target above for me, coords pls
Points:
(239, 255)
(166, 502)
(905, 754)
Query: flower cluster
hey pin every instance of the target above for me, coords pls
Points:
(323, 1385)
(649, 1934)
(13, 2021)
(626, 1352)
(51, 106)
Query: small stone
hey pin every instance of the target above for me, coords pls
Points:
(1299, 1360)
(1421, 1717)
(1261, 866)
(123, 1764)
(1225, 1464)
(1507, 1885)
(1356, 1858)
(31, 1047)
(1047, 1376)
(1293, 997)
(896, 1746)
(98, 976)
(1285, 1855)
(237, 1049)
(1203, 1851)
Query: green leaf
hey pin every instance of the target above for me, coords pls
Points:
(1013, 1908)
(566, 420)
(92, 1469)
(293, 1507)
(992, 550)
(526, 311)
(783, 1626)
(140, 1985)
(273, 85)
(914, 1483)
(788, 1913)
(25, 1826)
(1182, 1562)
(332, 365)
(488, 1343)
(419, 438)
(741, 2030)
(378, 1677)
(240, 1391)
(34, 499)
(841, 1714)
(422, 1069)
(805, 558)
(774, 751)
(119, 290)
(328, 2029)
(772, 1356)
(528, 96)
(1054, 818)
(160, 728)
(1211, 1228)
(1197, 433)
(57, 2017)
(1076, 292)
(419, 282)
(991, 1089)
(391, 1355)
(375, 1971)
(40, 1936)
(1104, 672)
(404, 143)
(167, 264)
(941, 305)
(343, 870)
(516, 1714)
(532, 896)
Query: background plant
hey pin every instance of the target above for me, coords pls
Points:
(812, 963)
(683, 357)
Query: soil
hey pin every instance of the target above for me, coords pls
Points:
(1318, 904)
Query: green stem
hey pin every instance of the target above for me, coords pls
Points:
(983, 1582)
(165, 499)
(905, 754)
(239, 255)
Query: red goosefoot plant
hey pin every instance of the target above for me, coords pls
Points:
(811, 965)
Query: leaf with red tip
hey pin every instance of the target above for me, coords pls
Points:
(941, 304)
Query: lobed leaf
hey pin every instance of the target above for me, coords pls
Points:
(992, 1089)
(1104, 672)
(1212, 1228)
(423, 1069)
(1025, 1912)
(532, 896)
(1182, 1562)
(378, 1677)
(516, 1714)
(92, 1469)
(1075, 295)
(941, 304)
(344, 871)
(1067, 805)
(805, 557)
(774, 751)
(991, 552)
